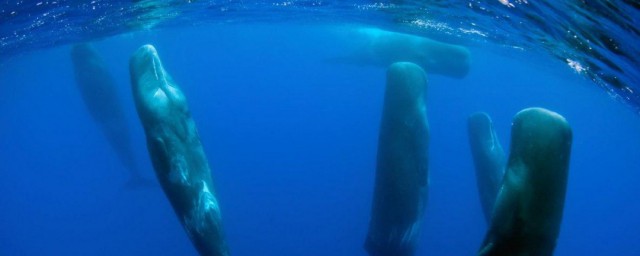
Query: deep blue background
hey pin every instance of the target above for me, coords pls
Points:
(291, 138)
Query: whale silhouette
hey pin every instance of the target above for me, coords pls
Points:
(401, 182)
(176, 151)
(100, 96)
(377, 47)
(489, 160)
(528, 210)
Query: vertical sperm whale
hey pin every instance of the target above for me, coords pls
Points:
(176, 151)
(528, 210)
(100, 96)
(400, 190)
(489, 160)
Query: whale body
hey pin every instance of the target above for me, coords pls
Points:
(100, 95)
(176, 151)
(528, 210)
(373, 46)
(400, 190)
(488, 158)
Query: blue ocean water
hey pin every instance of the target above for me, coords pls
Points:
(291, 139)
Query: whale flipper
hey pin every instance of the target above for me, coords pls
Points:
(176, 151)
(400, 192)
(489, 160)
(528, 210)
(100, 95)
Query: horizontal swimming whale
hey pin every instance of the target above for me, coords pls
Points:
(373, 46)
(528, 210)
(176, 152)
(400, 190)
(100, 95)
(489, 159)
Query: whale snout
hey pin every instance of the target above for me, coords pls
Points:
(145, 61)
(154, 91)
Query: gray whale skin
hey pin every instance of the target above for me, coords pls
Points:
(373, 46)
(528, 210)
(488, 158)
(176, 152)
(400, 190)
(100, 96)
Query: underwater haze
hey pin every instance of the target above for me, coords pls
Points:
(291, 130)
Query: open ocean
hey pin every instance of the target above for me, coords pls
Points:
(291, 134)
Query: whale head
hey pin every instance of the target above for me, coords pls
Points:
(155, 93)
